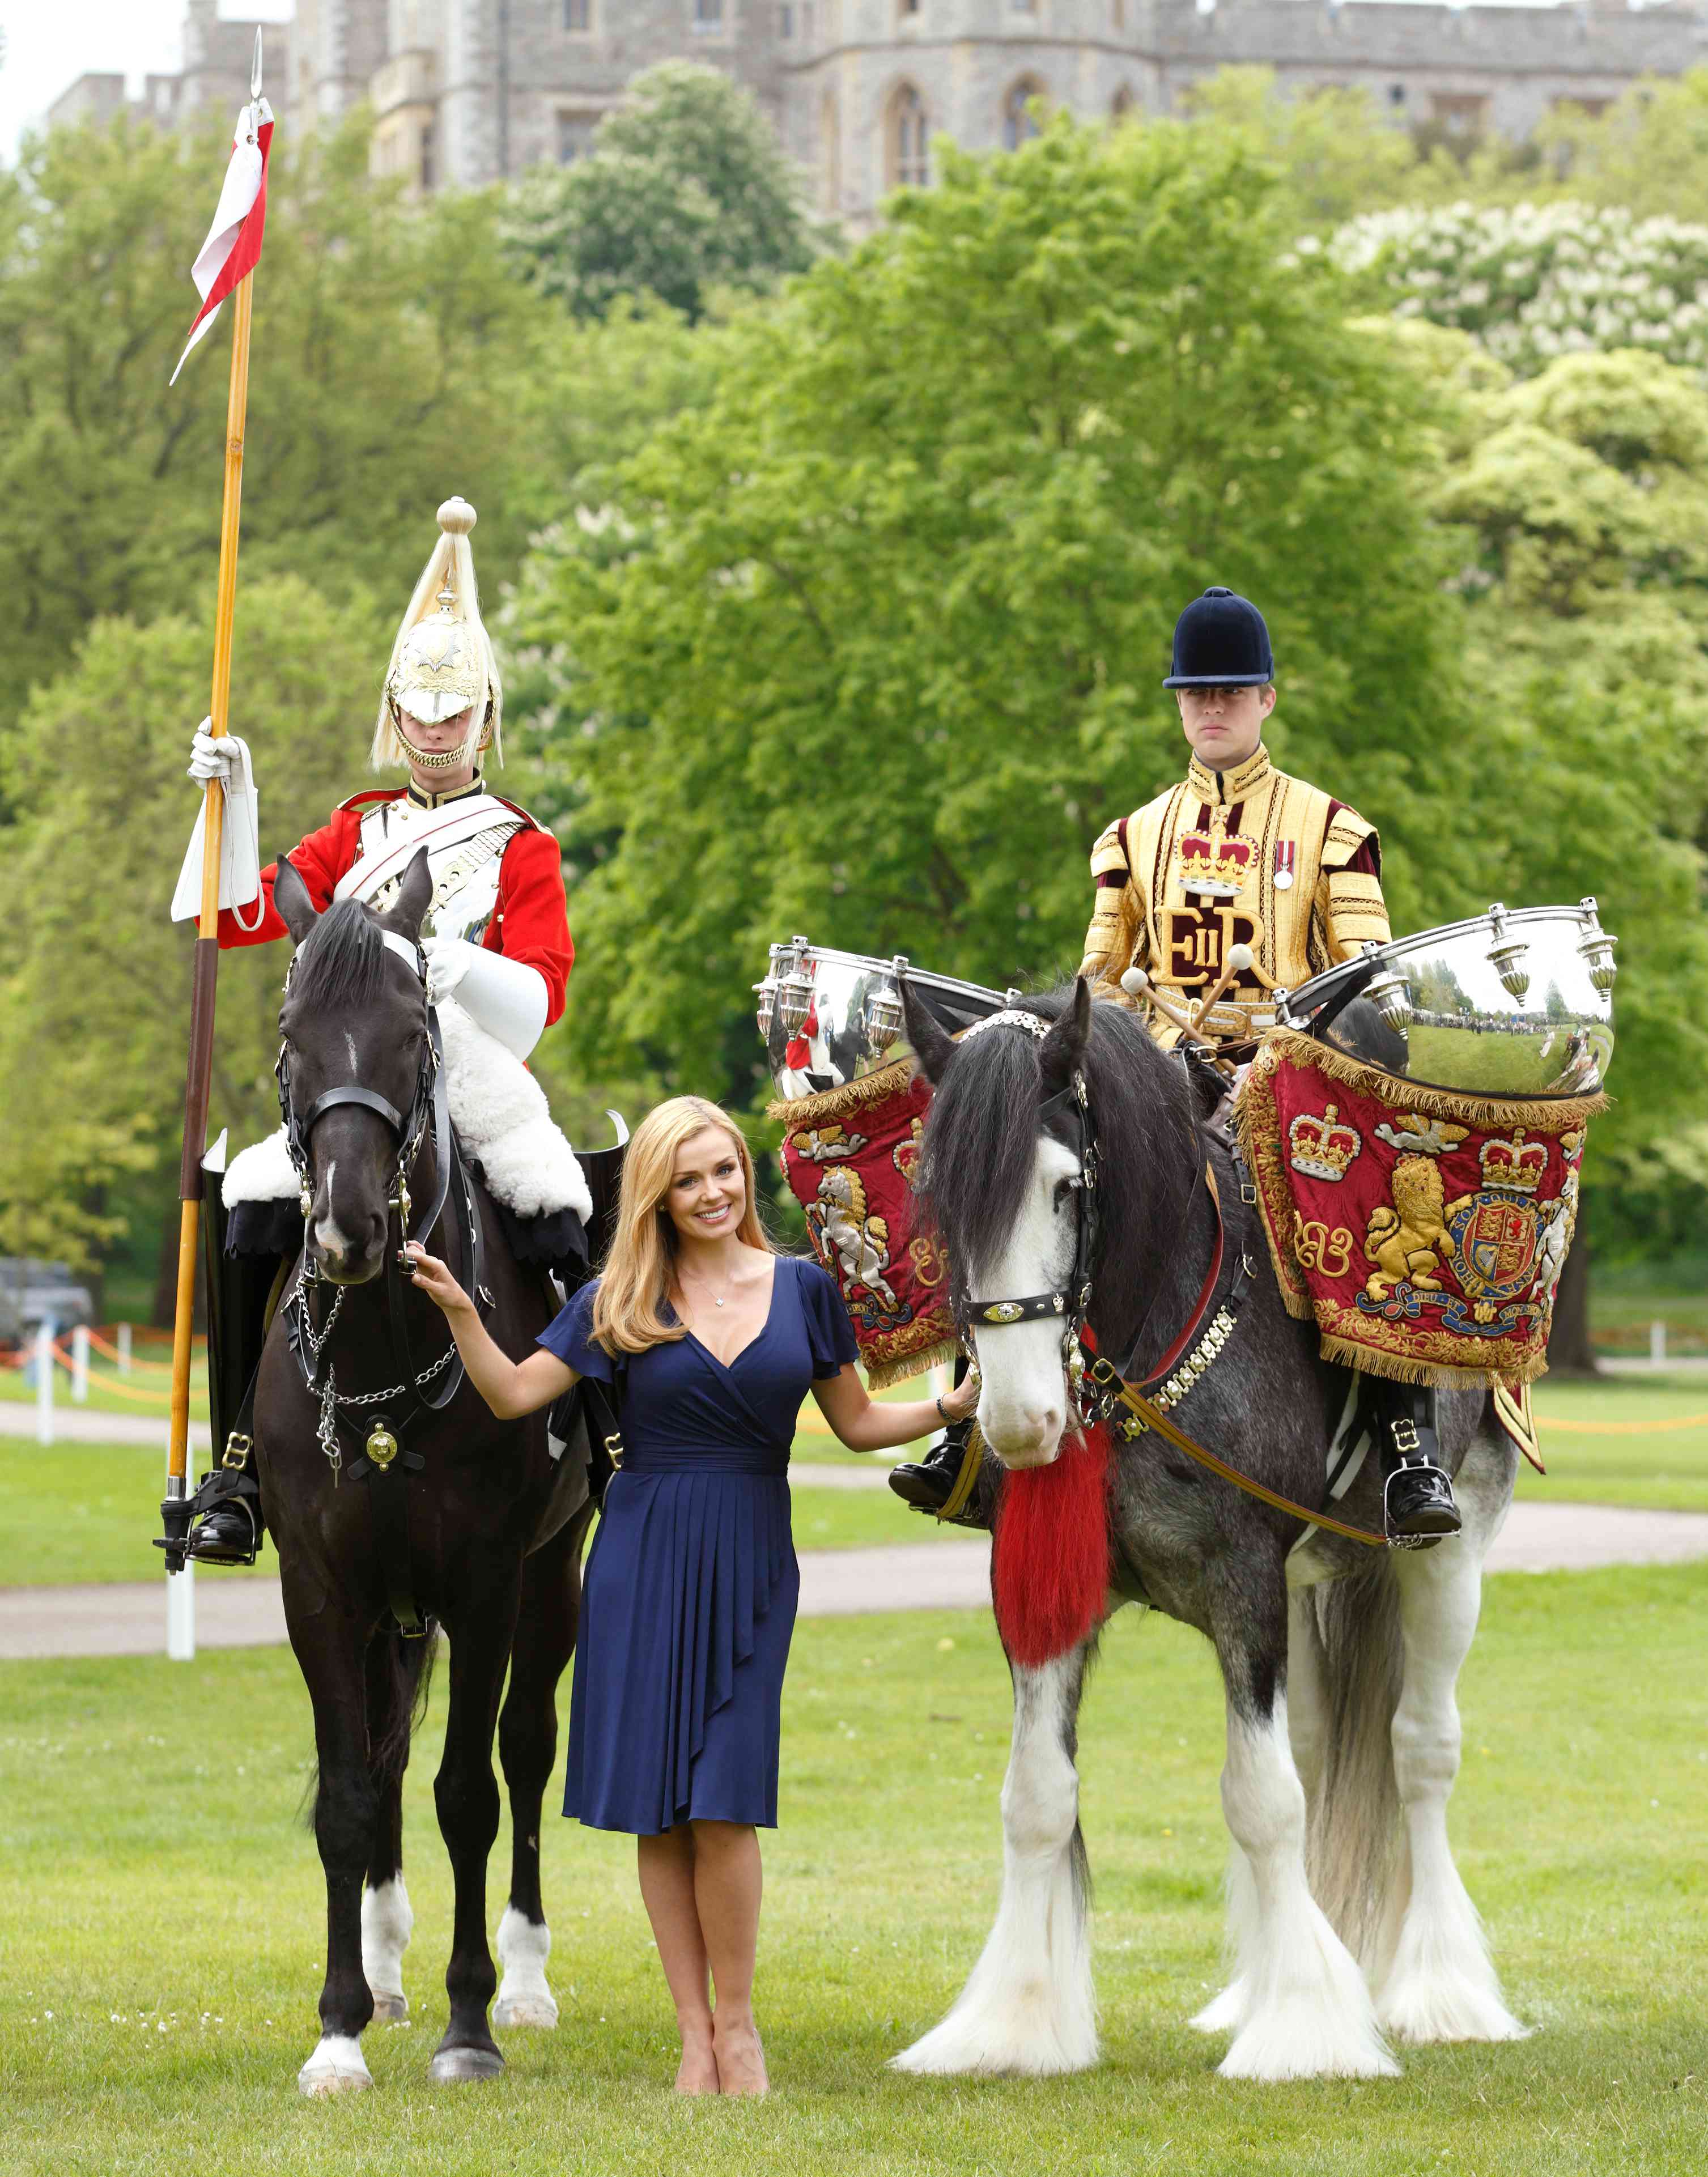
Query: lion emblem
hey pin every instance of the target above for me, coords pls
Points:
(860, 1239)
(1407, 1239)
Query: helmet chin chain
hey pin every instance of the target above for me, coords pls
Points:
(442, 759)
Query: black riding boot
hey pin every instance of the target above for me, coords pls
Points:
(243, 1283)
(1418, 1502)
(930, 1483)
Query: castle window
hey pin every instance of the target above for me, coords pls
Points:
(1460, 113)
(708, 17)
(1023, 7)
(576, 132)
(578, 17)
(830, 138)
(1117, 10)
(906, 8)
(1396, 94)
(429, 156)
(909, 159)
(1121, 105)
(1019, 122)
(785, 21)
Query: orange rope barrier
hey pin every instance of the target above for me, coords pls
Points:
(1622, 1428)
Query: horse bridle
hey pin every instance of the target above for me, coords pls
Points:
(429, 1106)
(1072, 1303)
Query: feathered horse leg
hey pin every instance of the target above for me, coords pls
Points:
(1029, 2005)
(1440, 1985)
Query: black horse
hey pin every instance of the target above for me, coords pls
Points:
(1339, 1661)
(394, 1504)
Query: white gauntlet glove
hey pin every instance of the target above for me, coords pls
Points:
(225, 760)
(210, 758)
(505, 997)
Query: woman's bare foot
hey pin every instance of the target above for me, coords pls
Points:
(697, 2073)
(740, 2058)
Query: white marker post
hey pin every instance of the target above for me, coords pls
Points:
(80, 1363)
(180, 1614)
(44, 1382)
(124, 1349)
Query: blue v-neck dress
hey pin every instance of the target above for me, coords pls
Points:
(691, 1583)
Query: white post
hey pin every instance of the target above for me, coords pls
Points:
(124, 1349)
(44, 1382)
(180, 1614)
(80, 1363)
(1657, 1345)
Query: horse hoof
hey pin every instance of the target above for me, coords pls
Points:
(389, 2009)
(453, 2067)
(524, 2010)
(337, 2067)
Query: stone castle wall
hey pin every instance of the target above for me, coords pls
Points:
(468, 90)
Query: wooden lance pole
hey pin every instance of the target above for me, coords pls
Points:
(207, 958)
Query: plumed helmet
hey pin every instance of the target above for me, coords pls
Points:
(442, 662)
(1220, 642)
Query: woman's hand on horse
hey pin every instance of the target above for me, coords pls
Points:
(432, 1277)
(964, 1399)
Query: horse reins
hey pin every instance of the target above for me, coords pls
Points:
(1110, 1385)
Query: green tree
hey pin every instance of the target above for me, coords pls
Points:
(94, 1003)
(393, 358)
(870, 646)
(1646, 153)
(687, 190)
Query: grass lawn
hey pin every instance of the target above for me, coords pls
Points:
(162, 1918)
(71, 1513)
(144, 1392)
(1645, 1463)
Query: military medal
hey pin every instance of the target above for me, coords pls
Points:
(1284, 864)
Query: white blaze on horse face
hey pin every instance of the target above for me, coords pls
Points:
(1023, 1403)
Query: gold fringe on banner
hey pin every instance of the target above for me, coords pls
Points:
(795, 1112)
(881, 1375)
(1552, 1114)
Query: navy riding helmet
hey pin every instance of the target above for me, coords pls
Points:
(1220, 642)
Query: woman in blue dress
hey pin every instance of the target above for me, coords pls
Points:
(710, 1342)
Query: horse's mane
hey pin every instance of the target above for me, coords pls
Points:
(981, 1135)
(340, 964)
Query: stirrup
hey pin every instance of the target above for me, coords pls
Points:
(227, 1488)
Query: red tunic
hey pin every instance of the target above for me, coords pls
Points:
(531, 923)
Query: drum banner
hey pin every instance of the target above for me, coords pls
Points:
(849, 1155)
(1423, 1231)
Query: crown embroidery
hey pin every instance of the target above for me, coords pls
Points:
(1516, 1166)
(1215, 865)
(1322, 1147)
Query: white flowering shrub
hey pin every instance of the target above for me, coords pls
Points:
(1531, 282)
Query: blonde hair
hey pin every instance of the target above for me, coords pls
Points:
(450, 565)
(635, 1285)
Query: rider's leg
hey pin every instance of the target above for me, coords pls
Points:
(1416, 1493)
(230, 1528)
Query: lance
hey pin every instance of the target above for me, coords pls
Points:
(225, 266)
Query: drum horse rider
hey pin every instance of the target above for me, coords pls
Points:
(1244, 880)
(496, 935)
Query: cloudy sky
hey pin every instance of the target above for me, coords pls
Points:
(50, 43)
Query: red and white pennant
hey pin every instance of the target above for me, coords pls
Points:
(233, 246)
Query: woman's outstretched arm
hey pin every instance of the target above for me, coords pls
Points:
(511, 1388)
(864, 1423)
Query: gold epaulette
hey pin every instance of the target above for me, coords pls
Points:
(1108, 856)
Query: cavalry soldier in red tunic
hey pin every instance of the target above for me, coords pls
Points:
(1239, 880)
(496, 934)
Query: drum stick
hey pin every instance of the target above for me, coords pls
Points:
(1239, 960)
(1138, 985)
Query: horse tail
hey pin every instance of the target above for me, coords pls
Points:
(1353, 1624)
(409, 1664)
(407, 1667)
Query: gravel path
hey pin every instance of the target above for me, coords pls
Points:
(129, 1619)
